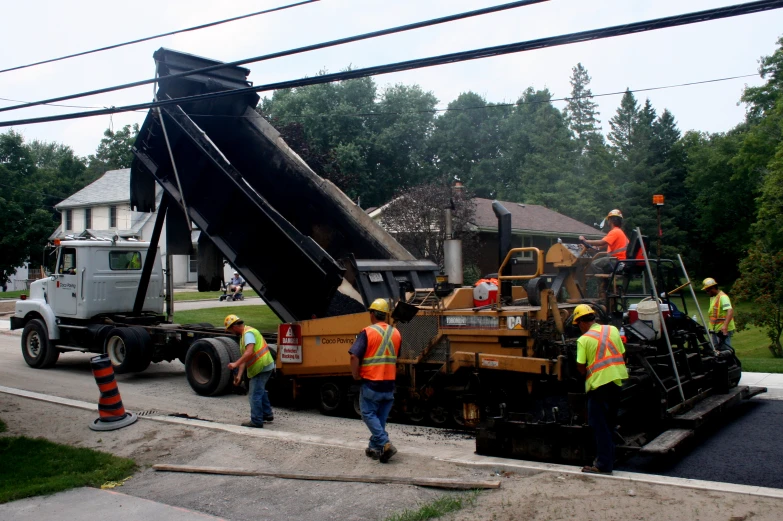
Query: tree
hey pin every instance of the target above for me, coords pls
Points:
(622, 125)
(582, 111)
(25, 222)
(761, 281)
(416, 219)
(114, 151)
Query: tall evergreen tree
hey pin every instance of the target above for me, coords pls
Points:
(581, 110)
(622, 125)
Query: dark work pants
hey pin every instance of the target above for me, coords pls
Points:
(602, 405)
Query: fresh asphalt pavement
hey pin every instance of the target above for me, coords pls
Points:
(742, 447)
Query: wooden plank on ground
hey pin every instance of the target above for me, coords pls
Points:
(450, 483)
(667, 441)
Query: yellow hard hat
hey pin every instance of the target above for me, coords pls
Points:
(230, 321)
(580, 311)
(380, 304)
(708, 283)
(615, 213)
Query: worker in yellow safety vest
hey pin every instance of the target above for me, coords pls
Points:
(260, 364)
(374, 363)
(721, 315)
(599, 356)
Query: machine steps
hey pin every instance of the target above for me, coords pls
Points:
(685, 425)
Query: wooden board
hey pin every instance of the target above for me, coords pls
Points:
(456, 484)
(667, 441)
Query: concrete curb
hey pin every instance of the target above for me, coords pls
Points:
(446, 455)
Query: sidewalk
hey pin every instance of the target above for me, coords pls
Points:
(772, 381)
(73, 504)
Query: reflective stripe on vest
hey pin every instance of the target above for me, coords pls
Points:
(261, 358)
(380, 360)
(621, 248)
(715, 317)
(606, 354)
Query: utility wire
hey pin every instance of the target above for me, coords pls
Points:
(485, 106)
(299, 50)
(499, 50)
(147, 38)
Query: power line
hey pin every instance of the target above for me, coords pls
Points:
(299, 50)
(147, 38)
(486, 106)
(499, 50)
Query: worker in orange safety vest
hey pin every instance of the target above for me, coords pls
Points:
(374, 363)
(615, 242)
(599, 356)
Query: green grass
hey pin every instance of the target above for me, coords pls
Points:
(437, 508)
(3, 427)
(204, 295)
(31, 467)
(260, 317)
(13, 294)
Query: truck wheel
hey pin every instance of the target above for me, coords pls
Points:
(331, 398)
(144, 357)
(206, 366)
(37, 351)
(233, 348)
(124, 349)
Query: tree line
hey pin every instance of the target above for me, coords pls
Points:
(34, 177)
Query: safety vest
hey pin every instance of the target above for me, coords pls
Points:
(262, 357)
(608, 365)
(717, 315)
(380, 358)
(619, 253)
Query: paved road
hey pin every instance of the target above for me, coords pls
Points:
(744, 450)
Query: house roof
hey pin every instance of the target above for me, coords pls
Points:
(531, 218)
(111, 187)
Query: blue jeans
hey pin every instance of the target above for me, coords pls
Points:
(721, 342)
(375, 409)
(602, 405)
(260, 405)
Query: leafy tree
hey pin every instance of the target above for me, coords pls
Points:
(761, 100)
(762, 282)
(114, 151)
(25, 222)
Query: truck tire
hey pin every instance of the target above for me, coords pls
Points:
(144, 357)
(206, 366)
(234, 353)
(124, 348)
(332, 397)
(37, 350)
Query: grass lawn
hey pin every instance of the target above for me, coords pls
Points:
(31, 467)
(437, 508)
(750, 344)
(13, 294)
(204, 295)
(260, 317)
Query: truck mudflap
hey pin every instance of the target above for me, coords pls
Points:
(17, 323)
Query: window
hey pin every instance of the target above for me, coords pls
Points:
(124, 260)
(112, 217)
(87, 218)
(67, 264)
(522, 241)
(69, 220)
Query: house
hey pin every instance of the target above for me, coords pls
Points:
(532, 226)
(102, 210)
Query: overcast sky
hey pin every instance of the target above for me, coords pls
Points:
(32, 31)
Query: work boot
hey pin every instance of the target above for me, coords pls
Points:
(372, 453)
(254, 425)
(269, 419)
(387, 452)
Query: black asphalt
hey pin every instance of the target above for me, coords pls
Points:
(744, 447)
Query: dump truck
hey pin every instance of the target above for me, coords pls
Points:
(506, 369)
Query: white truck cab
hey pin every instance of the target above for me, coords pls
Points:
(92, 278)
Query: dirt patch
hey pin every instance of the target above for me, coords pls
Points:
(545, 497)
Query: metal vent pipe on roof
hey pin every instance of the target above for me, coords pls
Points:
(504, 243)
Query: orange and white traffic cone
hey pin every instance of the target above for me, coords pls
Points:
(112, 413)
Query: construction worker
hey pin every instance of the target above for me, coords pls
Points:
(599, 356)
(259, 362)
(721, 314)
(374, 362)
(615, 242)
